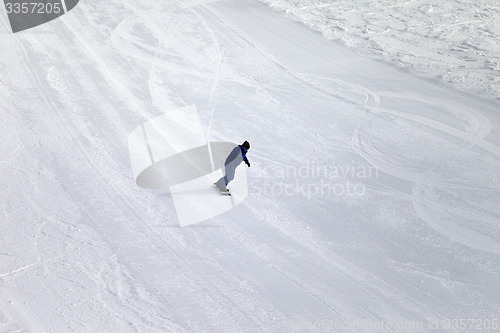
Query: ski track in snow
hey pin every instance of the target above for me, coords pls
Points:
(444, 216)
(87, 250)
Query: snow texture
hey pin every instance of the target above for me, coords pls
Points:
(372, 197)
(452, 41)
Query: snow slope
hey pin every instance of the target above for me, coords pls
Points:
(373, 195)
(452, 41)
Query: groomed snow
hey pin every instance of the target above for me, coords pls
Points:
(372, 199)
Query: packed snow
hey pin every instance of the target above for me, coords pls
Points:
(372, 194)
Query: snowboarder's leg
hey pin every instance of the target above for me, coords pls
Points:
(230, 170)
(221, 183)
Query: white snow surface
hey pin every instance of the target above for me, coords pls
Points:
(403, 230)
(451, 41)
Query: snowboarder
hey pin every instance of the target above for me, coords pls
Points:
(237, 155)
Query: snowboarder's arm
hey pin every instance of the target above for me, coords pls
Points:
(244, 155)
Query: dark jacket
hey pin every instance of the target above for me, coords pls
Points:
(244, 153)
(235, 154)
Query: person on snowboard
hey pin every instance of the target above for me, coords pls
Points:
(237, 155)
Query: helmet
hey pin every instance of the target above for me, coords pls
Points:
(246, 145)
